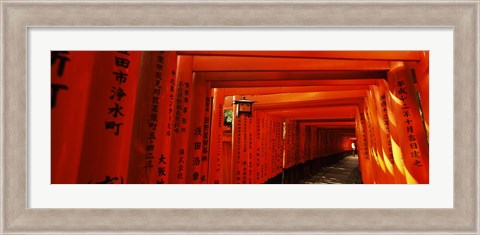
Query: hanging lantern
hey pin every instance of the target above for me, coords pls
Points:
(243, 107)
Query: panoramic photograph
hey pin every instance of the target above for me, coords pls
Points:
(239, 117)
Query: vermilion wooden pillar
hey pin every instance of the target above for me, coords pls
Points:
(206, 134)
(260, 116)
(70, 83)
(197, 127)
(422, 74)
(363, 148)
(256, 144)
(385, 176)
(216, 140)
(371, 141)
(380, 100)
(109, 121)
(250, 148)
(289, 151)
(399, 167)
(238, 153)
(166, 120)
(264, 148)
(181, 121)
(410, 128)
(280, 146)
(150, 151)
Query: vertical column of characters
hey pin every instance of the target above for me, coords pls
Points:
(420, 72)
(107, 139)
(383, 175)
(215, 170)
(399, 166)
(207, 123)
(258, 147)
(250, 150)
(301, 143)
(368, 176)
(70, 85)
(411, 129)
(371, 144)
(277, 141)
(166, 108)
(360, 148)
(297, 143)
(197, 116)
(279, 146)
(360, 144)
(148, 160)
(181, 122)
(288, 148)
(271, 147)
(257, 144)
(263, 148)
(293, 143)
(274, 138)
(244, 150)
(237, 129)
(150, 147)
(384, 130)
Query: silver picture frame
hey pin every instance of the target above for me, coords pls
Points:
(18, 16)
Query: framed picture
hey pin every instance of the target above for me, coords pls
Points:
(20, 19)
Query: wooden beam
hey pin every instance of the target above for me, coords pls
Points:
(290, 83)
(305, 99)
(305, 96)
(310, 104)
(357, 55)
(316, 113)
(291, 75)
(292, 89)
(233, 63)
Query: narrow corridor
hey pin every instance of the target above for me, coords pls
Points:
(343, 172)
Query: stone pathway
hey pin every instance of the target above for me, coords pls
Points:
(344, 172)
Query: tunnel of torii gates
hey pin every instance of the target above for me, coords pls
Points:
(158, 117)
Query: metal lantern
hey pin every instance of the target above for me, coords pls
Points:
(243, 107)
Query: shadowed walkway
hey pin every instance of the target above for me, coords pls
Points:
(344, 172)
